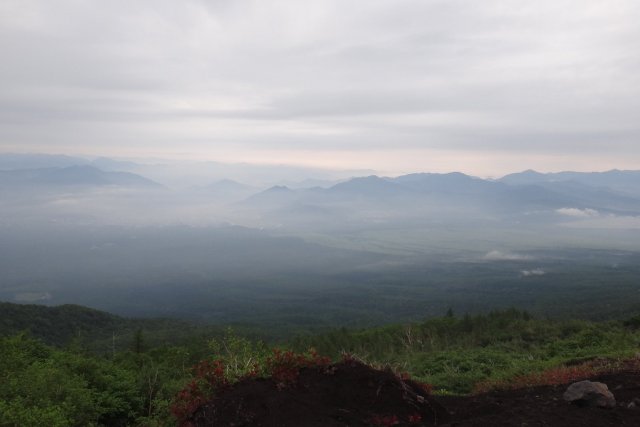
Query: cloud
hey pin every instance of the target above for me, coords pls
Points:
(578, 213)
(489, 80)
(506, 256)
(534, 272)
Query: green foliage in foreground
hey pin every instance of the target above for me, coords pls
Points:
(44, 385)
(455, 353)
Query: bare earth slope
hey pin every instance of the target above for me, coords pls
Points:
(353, 394)
(544, 406)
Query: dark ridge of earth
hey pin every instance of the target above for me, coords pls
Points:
(351, 394)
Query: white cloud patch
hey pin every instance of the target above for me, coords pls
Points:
(534, 272)
(578, 213)
(496, 255)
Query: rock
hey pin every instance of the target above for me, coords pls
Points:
(588, 393)
(634, 403)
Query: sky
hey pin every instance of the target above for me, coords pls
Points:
(484, 87)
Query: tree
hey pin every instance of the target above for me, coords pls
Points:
(138, 342)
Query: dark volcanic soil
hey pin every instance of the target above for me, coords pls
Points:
(352, 394)
(544, 406)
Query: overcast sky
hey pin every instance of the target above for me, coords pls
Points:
(486, 87)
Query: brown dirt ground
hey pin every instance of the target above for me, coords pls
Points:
(351, 394)
(544, 406)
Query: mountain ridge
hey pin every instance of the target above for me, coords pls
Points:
(73, 176)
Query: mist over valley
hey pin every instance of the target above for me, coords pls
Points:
(341, 250)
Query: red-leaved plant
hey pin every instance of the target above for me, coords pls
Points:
(208, 379)
(284, 366)
(415, 418)
(384, 420)
(393, 420)
(426, 387)
(554, 376)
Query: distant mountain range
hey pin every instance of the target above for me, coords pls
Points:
(228, 191)
(189, 174)
(524, 192)
(71, 176)
(442, 197)
(44, 161)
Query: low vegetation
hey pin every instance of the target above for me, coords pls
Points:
(155, 385)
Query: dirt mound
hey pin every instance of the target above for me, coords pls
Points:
(353, 394)
(339, 395)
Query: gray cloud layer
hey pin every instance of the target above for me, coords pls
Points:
(402, 85)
